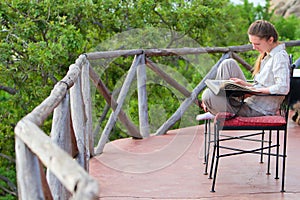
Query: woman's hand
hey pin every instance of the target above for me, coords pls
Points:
(241, 82)
(245, 83)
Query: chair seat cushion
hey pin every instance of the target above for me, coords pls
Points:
(226, 120)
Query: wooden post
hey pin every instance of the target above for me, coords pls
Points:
(142, 98)
(42, 111)
(28, 172)
(167, 78)
(188, 101)
(79, 122)
(132, 129)
(32, 146)
(45, 186)
(64, 167)
(113, 117)
(60, 135)
(240, 60)
(86, 92)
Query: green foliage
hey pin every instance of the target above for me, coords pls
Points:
(40, 39)
(9, 173)
(288, 29)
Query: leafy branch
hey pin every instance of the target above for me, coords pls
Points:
(9, 90)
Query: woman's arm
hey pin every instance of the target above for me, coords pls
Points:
(264, 90)
(241, 82)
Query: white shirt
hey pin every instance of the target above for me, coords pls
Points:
(274, 74)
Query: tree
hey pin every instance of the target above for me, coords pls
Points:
(38, 41)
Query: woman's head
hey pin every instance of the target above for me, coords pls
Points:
(263, 36)
(263, 29)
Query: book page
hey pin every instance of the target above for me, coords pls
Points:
(227, 85)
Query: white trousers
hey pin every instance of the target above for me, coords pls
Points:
(220, 103)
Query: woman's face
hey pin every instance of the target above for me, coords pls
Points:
(261, 44)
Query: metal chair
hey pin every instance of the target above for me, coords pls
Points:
(226, 122)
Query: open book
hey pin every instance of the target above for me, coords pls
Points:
(227, 85)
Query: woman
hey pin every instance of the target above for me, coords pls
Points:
(271, 76)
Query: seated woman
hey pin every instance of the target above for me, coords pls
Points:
(271, 76)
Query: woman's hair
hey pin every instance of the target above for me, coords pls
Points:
(264, 30)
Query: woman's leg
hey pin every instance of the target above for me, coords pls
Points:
(214, 103)
(218, 103)
(229, 69)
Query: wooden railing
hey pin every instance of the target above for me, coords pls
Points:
(66, 152)
(70, 138)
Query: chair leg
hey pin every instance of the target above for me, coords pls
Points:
(212, 163)
(215, 176)
(262, 146)
(205, 141)
(217, 161)
(277, 155)
(207, 148)
(269, 152)
(213, 155)
(283, 161)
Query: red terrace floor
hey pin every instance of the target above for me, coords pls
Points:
(171, 167)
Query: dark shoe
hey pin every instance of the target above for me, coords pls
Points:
(295, 116)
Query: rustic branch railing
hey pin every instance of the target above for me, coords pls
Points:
(66, 153)
(191, 96)
(34, 147)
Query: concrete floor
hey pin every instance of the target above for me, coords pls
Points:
(171, 167)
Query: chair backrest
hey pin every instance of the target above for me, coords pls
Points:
(285, 106)
(295, 82)
(296, 64)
